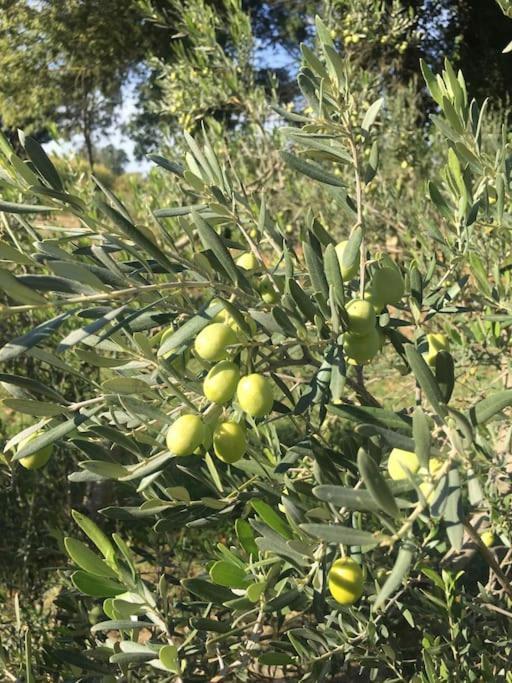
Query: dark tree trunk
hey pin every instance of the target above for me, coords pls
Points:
(89, 146)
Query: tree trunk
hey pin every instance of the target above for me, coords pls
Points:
(88, 146)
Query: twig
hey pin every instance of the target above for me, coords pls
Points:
(489, 557)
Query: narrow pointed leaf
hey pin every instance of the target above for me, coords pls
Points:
(422, 437)
(399, 572)
(352, 250)
(36, 336)
(211, 240)
(17, 291)
(12, 207)
(86, 559)
(371, 114)
(96, 586)
(425, 379)
(120, 625)
(311, 170)
(335, 533)
(49, 436)
(376, 484)
(488, 407)
(42, 163)
(274, 520)
(453, 512)
(95, 534)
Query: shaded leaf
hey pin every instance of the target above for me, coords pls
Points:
(425, 379)
(311, 170)
(274, 520)
(398, 573)
(488, 407)
(39, 334)
(422, 436)
(376, 484)
(453, 512)
(228, 574)
(96, 586)
(207, 591)
(335, 533)
(86, 559)
(18, 291)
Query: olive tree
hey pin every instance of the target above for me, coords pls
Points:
(235, 397)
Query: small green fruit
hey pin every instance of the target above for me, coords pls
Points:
(361, 317)
(185, 435)
(255, 395)
(353, 269)
(37, 459)
(229, 441)
(247, 261)
(370, 297)
(387, 286)
(487, 538)
(400, 461)
(221, 382)
(361, 349)
(436, 343)
(346, 581)
(267, 291)
(225, 317)
(212, 342)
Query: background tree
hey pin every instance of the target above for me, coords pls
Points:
(65, 63)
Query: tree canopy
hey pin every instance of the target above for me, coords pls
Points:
(65, 63)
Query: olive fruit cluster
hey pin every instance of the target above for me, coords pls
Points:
(265, 287)
(189, 433)
(364, 339)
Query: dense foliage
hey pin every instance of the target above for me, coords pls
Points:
(271, 380)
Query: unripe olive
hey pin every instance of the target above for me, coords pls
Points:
(229, 441)
(350, 272)
(37, 459)
(361, 316)
(247, 261)
(427, 488)
(221, 382)
(436, 342)
(487, 538)
(267, 291)
(401, 461)
(370, 297)
(185, 435)
(345, 581)
(212, 342)
(359, 348)
(387, 286)
(255, 396)
(225, 317)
